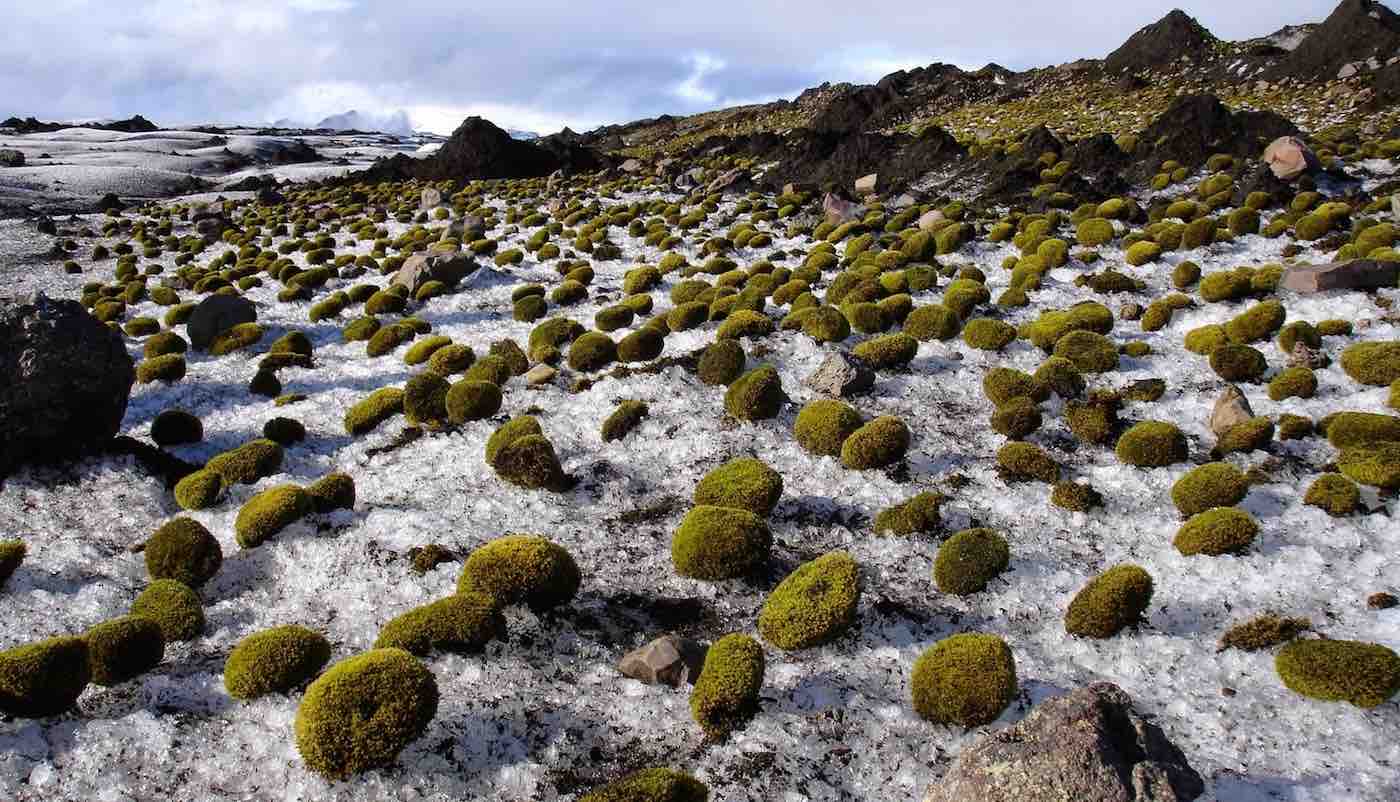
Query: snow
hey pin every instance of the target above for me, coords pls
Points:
(522, 719)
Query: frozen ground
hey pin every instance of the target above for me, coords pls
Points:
(68, 170)
(545, 715)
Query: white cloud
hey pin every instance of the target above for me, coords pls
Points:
(692, 89)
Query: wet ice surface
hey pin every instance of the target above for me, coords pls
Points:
(545, 715)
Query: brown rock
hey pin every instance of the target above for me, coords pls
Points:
(540, 374)
(1089, 746)
(928, 220)
(1304, 357)
(839, 210)
(1358, 274)
(1231, 409)
(1381, 601)
(1130, 312)
(865, 185)
(668, 660)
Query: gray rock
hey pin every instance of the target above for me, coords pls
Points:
(631, 166)
(65, 379)
(431, 199)
(215, 315)
(420, 268)
(11, 158)
(1358, 274)
(1231, 409)
(839, 210)
(668, 660)
(540, 374)
(1304, 357)
(841, 375)
(1089, 746)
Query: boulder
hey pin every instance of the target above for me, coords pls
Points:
(430, 200)
(420, 268)
(211, 228)
(110, 203)
(215, 315)
(631, 166)
(838, 210)
(1231, 408)
(1088, 746)
(668, 660)
(736, 180)
(11, 158)
(66, 381)
(1357, 274)
(540, 374)
(865, 185)
(1289, 157)
(930, 219)
(269, 196)
(841, 375)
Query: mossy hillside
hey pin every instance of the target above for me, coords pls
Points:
(745, 483)
(1109, 602)
(362, 712)
(717, 543)
(44, 678)
(725, 696)
(275, 660)
(463, 622)
(965, 680)
(521, 569)
(969, 560)
(814, 605)
(123, 649)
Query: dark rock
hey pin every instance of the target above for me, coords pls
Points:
(841, 376)
(1356, 31)
(1196, 127)
(1161, 43)
(1262, 179)
(449, 268)
(1381, 601)
(215, 315)
(11, 158)
(668, 660)
(480, 150)
(110, 203)
(65, 380)
(1089, 746)
(1358, 274)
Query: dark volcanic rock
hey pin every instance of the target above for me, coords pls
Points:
(64, 382)
(215, 315)
(480, 150)
(134, 125)
(1356, 31)
(1195, 127)
(1161, 43)
(835, 161)
(1089, 746)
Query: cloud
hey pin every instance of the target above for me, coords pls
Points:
(535, 64)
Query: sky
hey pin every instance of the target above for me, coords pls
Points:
(535, 65)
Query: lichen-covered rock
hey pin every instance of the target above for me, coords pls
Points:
(1088, 745)
(814, 605)
(68, 378)
(361, 713)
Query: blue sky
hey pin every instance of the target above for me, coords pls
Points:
(528, 64)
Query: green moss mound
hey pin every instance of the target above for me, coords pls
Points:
(237, 338)
(374, 409)
(12, 553)
(887, 352)
(168, 368)
(823, 426)
(176, 427)
(174, 607)
(123, 649)
(1221, 530)
(1075, 497)
(592, 351)
(1257, 323)
(275, 660)
(361, 713)
(715, 543)
(1333, 493)
(1027, 462)
(1060, 376)
(1016, 418)
(451, 359)
(425, 400)
(1152, 444)
(1109, 602)
(932, 322)
(965, 680)
(725, 696)
(520, 454)
(756, 395)
(284, 431)
(269, 512)
(521, 569)
(43, 679)
(970, 559)
(199, 490)
(464, 622)
(826, 324)
(1216, 484)
(814, 605)
(651, 785)
(248, 463)
(1294, 382)
(877, 444)
(1088, 351)
(472, 400)
(919, 514)
(1002, 384)
(628, 415)
(745, 483)
(1253, 434)
(1263, 632)
(1376, 466)
(642, 345)
(334, 491)
(721, 363)
(1349, 429)
(1361, 674)
(183, 550)
(1373, 363)
(988, 334)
